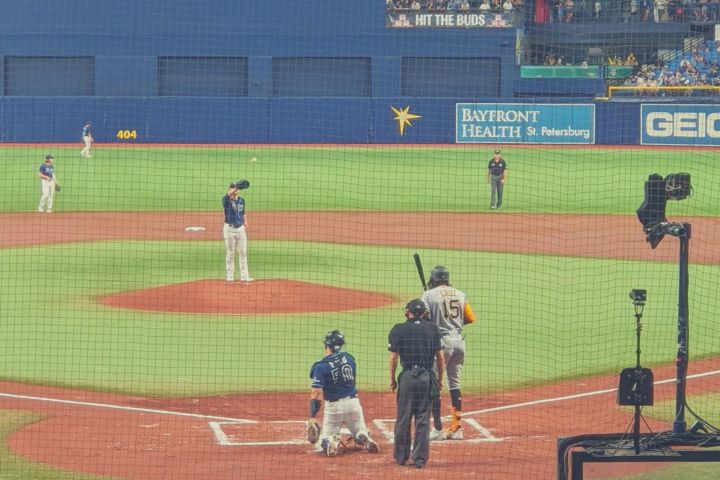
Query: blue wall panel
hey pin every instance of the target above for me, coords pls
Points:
(319, 120)
(263, 120)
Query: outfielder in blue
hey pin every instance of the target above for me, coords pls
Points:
(333, 379)
(48, 180)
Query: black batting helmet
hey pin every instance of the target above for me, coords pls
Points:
(439, 275)
(334, 340)
(417, 308)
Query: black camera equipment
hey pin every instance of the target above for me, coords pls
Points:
(636, 384)
(651, 213)
(658, 191)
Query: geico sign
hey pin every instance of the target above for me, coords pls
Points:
(691, 125)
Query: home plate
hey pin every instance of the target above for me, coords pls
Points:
(194, 229)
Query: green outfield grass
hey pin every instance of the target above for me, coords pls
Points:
(548, 180)
(527, 334)
(542, 318)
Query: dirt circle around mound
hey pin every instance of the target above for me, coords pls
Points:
(273, 296)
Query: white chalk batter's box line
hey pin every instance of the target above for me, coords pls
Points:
(384, 425)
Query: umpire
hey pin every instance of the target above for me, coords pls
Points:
(496, 177)
(416, 343)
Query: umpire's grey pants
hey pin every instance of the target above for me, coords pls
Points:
(496, 191)
(414, 399)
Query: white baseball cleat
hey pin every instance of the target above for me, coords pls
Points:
(229, 279)
(437, 435)
(333, 446)
(456, 435)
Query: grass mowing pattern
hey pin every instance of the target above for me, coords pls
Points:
(83, 343)
(584, 181)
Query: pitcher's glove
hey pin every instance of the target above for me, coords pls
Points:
(57, 187)
(313, 431)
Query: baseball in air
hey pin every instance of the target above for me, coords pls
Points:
(253, 159)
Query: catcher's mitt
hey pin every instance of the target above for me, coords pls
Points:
(242, 184)
(57, 187)
(313, 431)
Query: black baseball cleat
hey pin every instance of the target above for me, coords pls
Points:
(419, 464)
(368, 443)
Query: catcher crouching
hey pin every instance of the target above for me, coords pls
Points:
(333, 379)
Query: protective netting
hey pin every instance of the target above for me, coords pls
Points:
(509, 142)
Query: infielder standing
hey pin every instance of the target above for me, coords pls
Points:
(87, 139)
(333, 379)
(47, 184)
(234, 231)
(450, 310)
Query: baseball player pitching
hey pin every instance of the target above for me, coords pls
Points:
(47, 184)
(234, 231)
(450, 310)
(333, 379)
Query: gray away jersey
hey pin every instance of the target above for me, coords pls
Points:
(447, 307)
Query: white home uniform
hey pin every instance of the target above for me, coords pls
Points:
(47, 184)
(335, 375)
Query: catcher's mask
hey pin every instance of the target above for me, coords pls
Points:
(334, 340)
(439, 275)
(417, 308)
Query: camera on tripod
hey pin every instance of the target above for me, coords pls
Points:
(638, 296)
(636, 384)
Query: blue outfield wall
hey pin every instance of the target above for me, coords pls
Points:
(264, 119)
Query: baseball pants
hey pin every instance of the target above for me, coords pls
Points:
(47, 194)
(496, 191)
(346, 410)
(414, 400)
(86, 151)
(235, 241)
(454, 351)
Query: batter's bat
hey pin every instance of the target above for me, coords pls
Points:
(421, 273)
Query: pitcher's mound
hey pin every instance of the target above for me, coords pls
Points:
(239, 298)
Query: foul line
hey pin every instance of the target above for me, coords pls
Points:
(246, 421)
(127, 409)
(578, 395)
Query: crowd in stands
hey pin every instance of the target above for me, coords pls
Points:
(559, 60)
(496, 6)
(648, 11)
(699, 67)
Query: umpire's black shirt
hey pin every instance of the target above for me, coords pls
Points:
(416, 342)
(497, 168)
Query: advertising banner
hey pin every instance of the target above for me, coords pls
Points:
(678, 124)
(524, 123)
(419, 19)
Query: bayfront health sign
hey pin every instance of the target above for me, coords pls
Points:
(524, 123)
(677, 124)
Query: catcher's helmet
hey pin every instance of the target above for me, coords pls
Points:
(417, 307)
(439, 274)
(334, 340)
